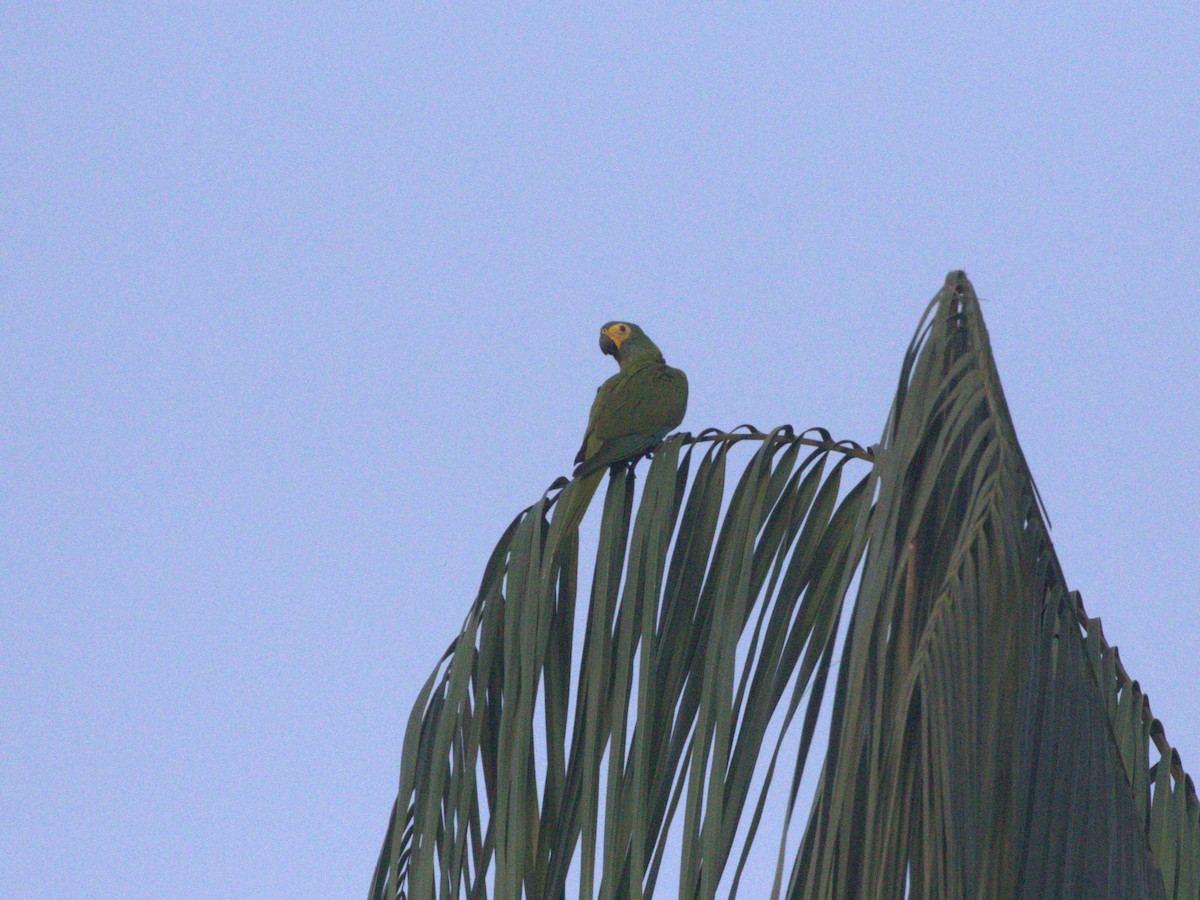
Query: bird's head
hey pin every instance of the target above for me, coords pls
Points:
(624, 340)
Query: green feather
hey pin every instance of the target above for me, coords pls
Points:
(634, 409)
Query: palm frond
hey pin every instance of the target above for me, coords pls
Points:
(984, 740)
(666, 717)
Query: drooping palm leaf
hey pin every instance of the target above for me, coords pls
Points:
(978, 746)
(663, 707)
(984, 740)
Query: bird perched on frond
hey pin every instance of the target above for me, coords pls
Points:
(632, 413)
(634, 409)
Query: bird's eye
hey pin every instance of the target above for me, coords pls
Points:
(623, 329)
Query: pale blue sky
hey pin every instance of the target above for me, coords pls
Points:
(299, 305)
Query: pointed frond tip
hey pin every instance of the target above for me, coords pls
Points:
(965, 636)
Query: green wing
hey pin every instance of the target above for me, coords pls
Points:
(631, 414)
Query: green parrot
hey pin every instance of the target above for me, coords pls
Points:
(634, 409)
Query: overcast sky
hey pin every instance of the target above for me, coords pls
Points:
(299, 305)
